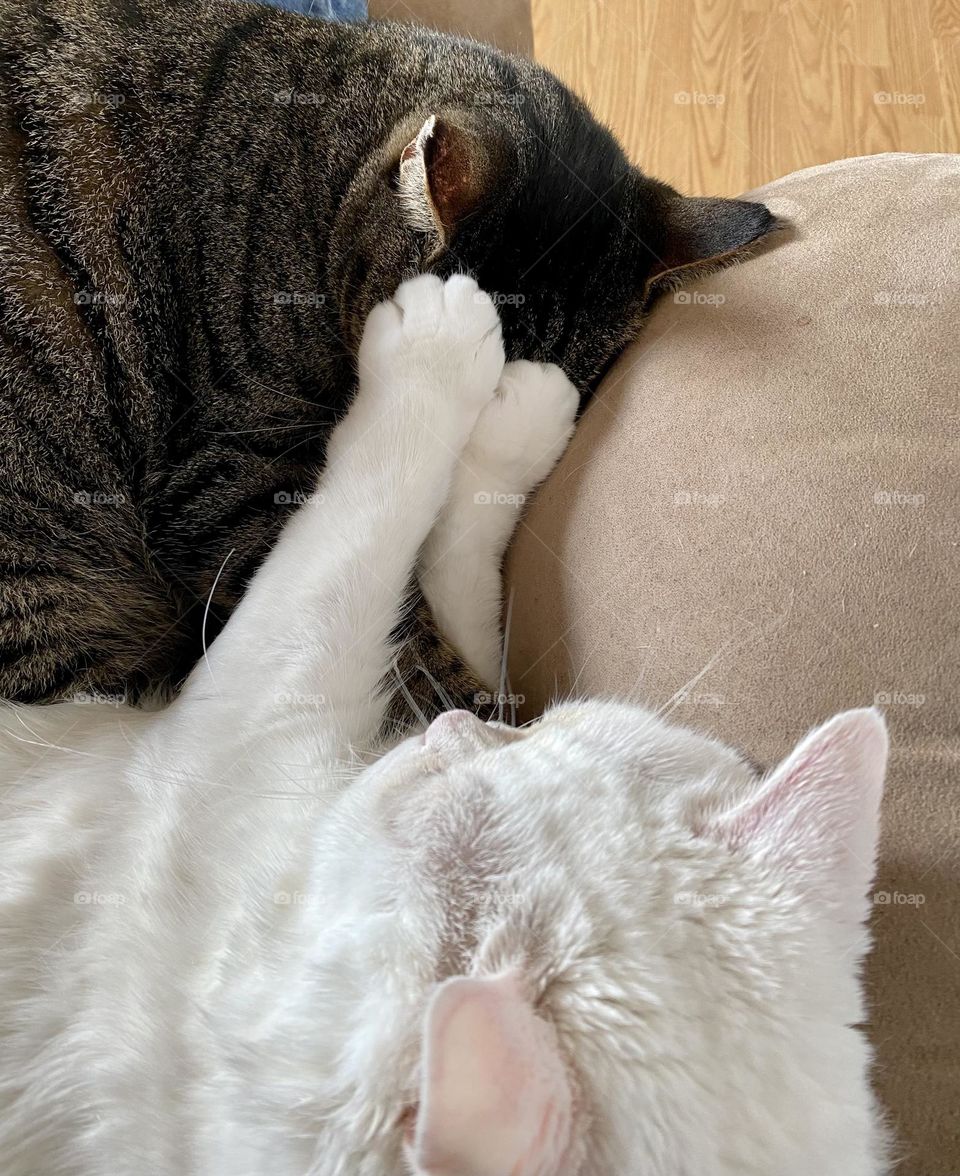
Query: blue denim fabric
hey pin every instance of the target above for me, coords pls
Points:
(325, 9)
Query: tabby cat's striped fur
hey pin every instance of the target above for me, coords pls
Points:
(200, 204)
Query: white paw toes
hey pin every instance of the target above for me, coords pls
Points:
(522, 432)
(438, 342)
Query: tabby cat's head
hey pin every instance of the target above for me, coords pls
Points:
(506, 175)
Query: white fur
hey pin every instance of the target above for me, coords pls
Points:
(516, 443)
(414, 187)
(222, 924)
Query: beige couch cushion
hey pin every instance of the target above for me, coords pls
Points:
(504, 23)
(759, 518)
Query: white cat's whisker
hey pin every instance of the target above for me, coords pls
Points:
(677, 697)
(408, 697)
(583, 667)
(180, 777)
(47, 745)
(504, 656)
(758, 634)
(439, 690)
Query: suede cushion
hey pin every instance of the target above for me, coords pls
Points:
(504, 23)
(758, 520)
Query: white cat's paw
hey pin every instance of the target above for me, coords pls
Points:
(438, 343)
(522, 432)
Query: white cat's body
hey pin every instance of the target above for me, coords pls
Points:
(238, 939)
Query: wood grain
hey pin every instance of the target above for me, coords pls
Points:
(718, 96)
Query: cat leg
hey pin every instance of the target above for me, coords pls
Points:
(450, 642)
(315, 623)
(517, 441)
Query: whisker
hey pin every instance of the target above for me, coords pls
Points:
(206, 613)
(674, 701)
(264, 429)
(408, 697)
(441, 693)
(583, 666)
(285, 395)
(759, 633)
(504, 654)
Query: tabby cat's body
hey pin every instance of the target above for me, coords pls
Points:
(201, 202)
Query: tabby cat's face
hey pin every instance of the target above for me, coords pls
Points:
(569, 261)
(539, 203)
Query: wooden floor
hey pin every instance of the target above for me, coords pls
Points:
(717, 96)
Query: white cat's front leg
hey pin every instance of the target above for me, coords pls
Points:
(315, 623)
(517, 441)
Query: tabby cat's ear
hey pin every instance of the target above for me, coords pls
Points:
(444, 176)
(705, 232)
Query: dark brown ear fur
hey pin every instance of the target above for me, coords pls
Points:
(704, 233)
(446, 173)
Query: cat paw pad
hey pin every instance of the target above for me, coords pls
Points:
(440, 341)
(523, 431)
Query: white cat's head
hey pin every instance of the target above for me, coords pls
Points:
(601, 945)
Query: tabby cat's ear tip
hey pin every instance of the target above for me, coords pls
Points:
(739, 221)
(768, 223)
(705, 233)
(764, 220)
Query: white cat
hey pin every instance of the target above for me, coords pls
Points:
(238, 939)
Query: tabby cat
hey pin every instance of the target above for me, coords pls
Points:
(201, 204)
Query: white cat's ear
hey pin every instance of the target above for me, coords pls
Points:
(444, 175)
(495, 1094)
(818, 812)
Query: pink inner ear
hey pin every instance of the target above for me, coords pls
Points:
(496, 1098)
(819, 810)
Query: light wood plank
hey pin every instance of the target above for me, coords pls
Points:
(723, 95)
